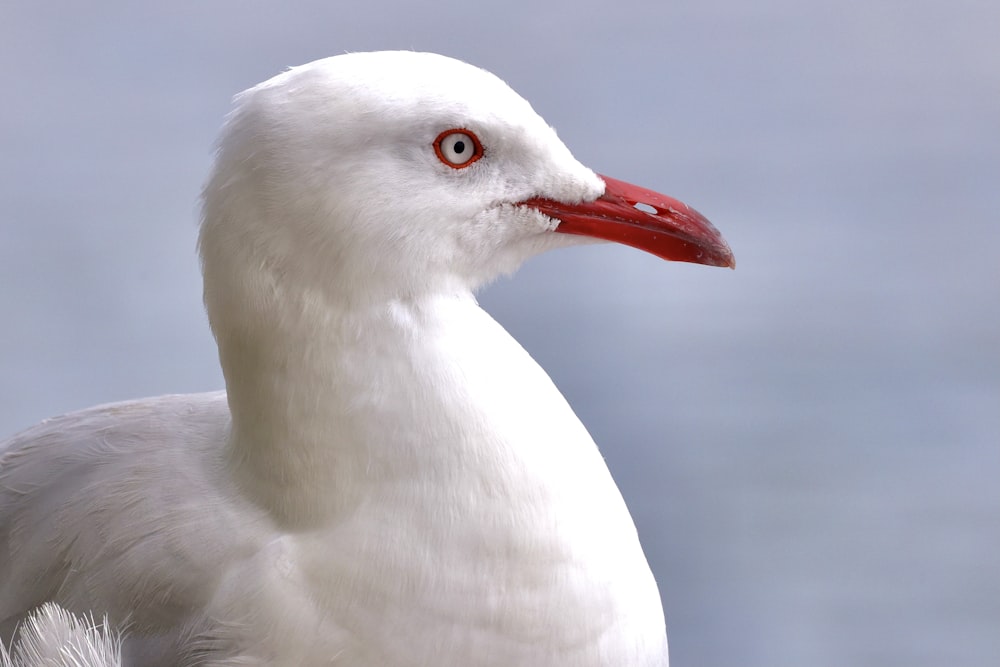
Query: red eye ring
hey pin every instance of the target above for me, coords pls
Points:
(458, 148)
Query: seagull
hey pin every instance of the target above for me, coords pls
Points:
(389, 479)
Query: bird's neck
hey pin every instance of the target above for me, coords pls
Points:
(303, 377)
(330, 403)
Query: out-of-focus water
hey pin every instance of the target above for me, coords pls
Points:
(810, 444)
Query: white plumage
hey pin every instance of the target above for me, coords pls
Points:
(52, 637)
(391, 480)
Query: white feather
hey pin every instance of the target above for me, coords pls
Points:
(53, 637)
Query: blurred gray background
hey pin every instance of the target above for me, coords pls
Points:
(810, 444)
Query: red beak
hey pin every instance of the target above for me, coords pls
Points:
(663, 226)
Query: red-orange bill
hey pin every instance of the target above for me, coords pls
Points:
(643, 219)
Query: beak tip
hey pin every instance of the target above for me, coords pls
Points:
(717, 253)
(725, 261)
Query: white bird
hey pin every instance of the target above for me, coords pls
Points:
(390, 480)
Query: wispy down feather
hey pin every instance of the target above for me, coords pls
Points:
(53, 637)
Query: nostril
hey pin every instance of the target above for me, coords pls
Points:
(645, 208)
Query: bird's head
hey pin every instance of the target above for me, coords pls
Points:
(398, 172)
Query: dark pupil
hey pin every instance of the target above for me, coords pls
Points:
(459, 147)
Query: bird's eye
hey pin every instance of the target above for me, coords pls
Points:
(458, 148)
